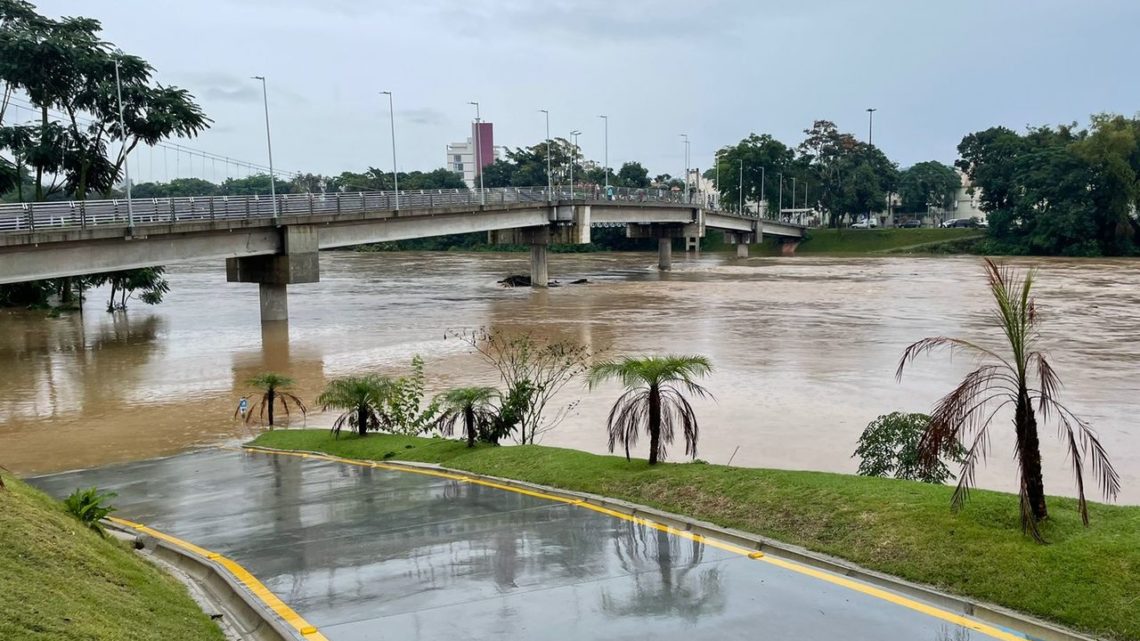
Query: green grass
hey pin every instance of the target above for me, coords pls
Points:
(1086, 578)
(61, 581)
(862, 241)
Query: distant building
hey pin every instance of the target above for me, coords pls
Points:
(461, 156)
(967, 205)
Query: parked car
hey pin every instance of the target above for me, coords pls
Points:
(911, 224)
(961, 222)
(866, 223)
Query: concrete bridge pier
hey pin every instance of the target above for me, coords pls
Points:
(297, 262)
(742, 240)
(664, 254)
(539, 267)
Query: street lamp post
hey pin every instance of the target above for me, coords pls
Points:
(126, 164)
(870, 123)
(763, 204)
(269, 145)
(392, 122)
(573, 154)
(479, 155)
(780, 209)
(741, 187)
(606, 152)
(686, 139)
(793, 192)
(549, 177)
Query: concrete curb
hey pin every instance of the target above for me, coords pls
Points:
(245, 613)
(988, 613)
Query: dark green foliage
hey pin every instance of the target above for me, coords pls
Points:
(147, 281)
(928, 185)
(889, 447)
(404, 402)
(272, 388)
(1063, 191)
(90, 507)
(473, 407)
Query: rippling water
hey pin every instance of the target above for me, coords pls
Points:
(805, 350)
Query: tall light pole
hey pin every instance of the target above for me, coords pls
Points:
(763, 204)
(606, 152)
(126, 164)
(780, 210)
(392, 122)
(741, 187)
(269, 144)
(870, 123)
(573, 155)
(793, 192)
(549, 176)
(479, 154)
(686, 139)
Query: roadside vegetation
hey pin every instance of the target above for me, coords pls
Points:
(867, 241)
(60, 580)
(1087, 577)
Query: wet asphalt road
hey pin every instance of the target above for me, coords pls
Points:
(374, 554)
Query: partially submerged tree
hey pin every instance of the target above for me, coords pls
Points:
(474, 406)
(1003, 380)
(654, 401)
(889, 447)
(272, 388)
(364, 400)
(537, 366)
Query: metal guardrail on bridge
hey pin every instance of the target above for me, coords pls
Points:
(67, 215)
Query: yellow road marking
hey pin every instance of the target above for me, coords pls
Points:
(255, 587)
(822, 575)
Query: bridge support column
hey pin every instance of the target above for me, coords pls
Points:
(742, 250)
(664, 254)
(274, 302)
(298, 262)
(539, 268)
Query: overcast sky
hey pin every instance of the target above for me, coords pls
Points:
(714, 69)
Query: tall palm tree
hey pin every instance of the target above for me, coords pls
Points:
(363, 399)
(272, 386)
(474, 405)
(653, 400)
(1022, 378)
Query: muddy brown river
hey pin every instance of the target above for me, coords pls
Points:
(804, 348)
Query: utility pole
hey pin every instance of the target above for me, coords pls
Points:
(686, 139)
(392, 122)
(479, 155)
(741, 186)
(763, 201)
(573, 155)
(780, 211)
(126, 164)
(269, 144)
(606, 152)
(549, 177)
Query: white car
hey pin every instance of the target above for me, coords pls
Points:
(865, 223)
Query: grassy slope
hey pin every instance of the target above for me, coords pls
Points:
(1087, 578)
(59, 580)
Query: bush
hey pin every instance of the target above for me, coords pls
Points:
(89, 506)
(405, 402)
(889, 447)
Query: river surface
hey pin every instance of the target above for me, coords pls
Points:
(805, 350)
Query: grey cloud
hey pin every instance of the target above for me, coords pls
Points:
(422, 116)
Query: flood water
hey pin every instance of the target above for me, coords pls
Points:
(805, 350)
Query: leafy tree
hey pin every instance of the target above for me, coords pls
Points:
(1004, 380)
(405, 402)
(147, 280)
(364, 400)
(927, 185)
(255, 185)
(764, 158)
(633, 175)
(475, 406)
(654, 400)
(273, 390)
(499, 174)
(889, 447)
(851, 177)
(176, 188)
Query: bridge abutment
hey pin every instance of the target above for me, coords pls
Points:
(297, 263)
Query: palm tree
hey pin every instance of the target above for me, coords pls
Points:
(474, 405)
(272, 386)
(363, 399)
(1001, 380)
(652, 400)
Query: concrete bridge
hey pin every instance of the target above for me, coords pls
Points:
(276, 243)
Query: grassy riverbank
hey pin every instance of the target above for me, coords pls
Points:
(1087, 578)
(61, 581)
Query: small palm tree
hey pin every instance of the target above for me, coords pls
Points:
(1001, 380)
(474, 405)
(272, 386)
(363, 399)
(653, 400)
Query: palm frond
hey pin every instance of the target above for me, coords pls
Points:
(629, 413)
(935, 343)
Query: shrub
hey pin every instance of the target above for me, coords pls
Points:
(406, 400)
(89, 506)
(889, 447)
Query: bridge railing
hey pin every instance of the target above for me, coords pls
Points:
(63, 215)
